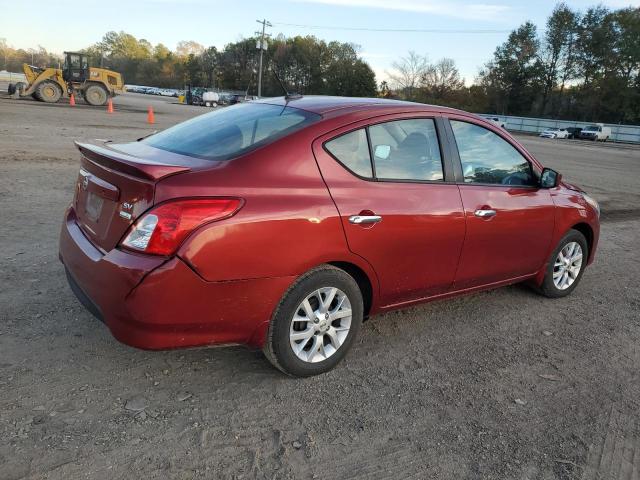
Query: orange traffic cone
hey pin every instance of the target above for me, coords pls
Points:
(150, 117)
(72, 100)
(110, 106)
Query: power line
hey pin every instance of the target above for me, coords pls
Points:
(394, 30)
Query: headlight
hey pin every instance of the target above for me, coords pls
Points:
(592, 202)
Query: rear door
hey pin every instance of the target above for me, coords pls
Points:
(400, 207)
(510, 220)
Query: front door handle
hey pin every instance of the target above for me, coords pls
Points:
(485, 213)
(364, 219)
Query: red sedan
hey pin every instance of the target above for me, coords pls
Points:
(283, 223)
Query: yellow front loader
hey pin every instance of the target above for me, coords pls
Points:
(95, 85)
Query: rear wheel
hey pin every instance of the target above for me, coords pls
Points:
(96, 95)
(315, 323)
(49, 91)
(566, 265)
(11, 89)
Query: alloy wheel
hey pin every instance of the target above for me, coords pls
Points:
(567, 265)
(320, 324)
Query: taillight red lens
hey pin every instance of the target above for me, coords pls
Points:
(161, 230)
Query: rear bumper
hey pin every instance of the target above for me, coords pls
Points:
(158, 303)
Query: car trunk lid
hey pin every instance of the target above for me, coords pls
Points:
(116, 184)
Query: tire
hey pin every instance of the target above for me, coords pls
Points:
(214, 104)
(11, 89)
(49, 92)
(96, 95)
(315, 287)
(550, 288)
(207, 104)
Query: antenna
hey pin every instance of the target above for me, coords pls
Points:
(287, 95)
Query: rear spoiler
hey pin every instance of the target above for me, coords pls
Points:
(135, 166)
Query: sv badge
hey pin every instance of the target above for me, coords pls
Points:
(126, 206)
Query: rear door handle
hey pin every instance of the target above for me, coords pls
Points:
(485, 213)
(364, 219)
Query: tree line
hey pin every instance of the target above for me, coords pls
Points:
(304, 64)
(583, 66)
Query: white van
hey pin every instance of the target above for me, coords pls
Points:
(596, 132)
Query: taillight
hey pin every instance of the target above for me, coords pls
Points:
(162, 229)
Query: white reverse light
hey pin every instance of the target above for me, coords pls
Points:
(140, 235)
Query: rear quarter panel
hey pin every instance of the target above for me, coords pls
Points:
(288, 224)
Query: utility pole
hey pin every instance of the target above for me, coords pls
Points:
(264, 24)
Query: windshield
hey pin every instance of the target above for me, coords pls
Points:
(231, 131)
(592, 128)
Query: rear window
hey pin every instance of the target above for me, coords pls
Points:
(232, 131)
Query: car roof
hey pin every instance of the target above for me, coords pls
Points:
(322, 105)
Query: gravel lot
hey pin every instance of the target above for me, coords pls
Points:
(498, 385)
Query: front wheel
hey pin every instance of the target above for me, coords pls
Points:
(566, 265)
(96, 95)
(49, 91)
(315, 323)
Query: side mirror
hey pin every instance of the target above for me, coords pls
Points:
(549, 178)
(382, 151)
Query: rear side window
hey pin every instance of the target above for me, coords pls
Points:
(407, 150)
(232, 131)
(488, 158)
(352, 150)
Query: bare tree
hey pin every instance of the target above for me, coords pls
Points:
(408, 73)
(442, 78)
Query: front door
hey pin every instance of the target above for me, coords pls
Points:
(510, 220)
(400, 208)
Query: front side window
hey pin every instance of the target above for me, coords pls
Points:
(488, 158)
(230, 132)
(352, 150)
(406, 150)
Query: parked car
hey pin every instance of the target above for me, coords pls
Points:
(597, 132)
(238, 98)
(281, 224)
(555, 133)
(497, 121)
(574, 132)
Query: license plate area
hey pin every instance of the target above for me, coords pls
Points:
(93, 206)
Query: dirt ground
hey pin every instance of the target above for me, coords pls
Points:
(499, 385)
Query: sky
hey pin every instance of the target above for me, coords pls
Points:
(467, 31)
